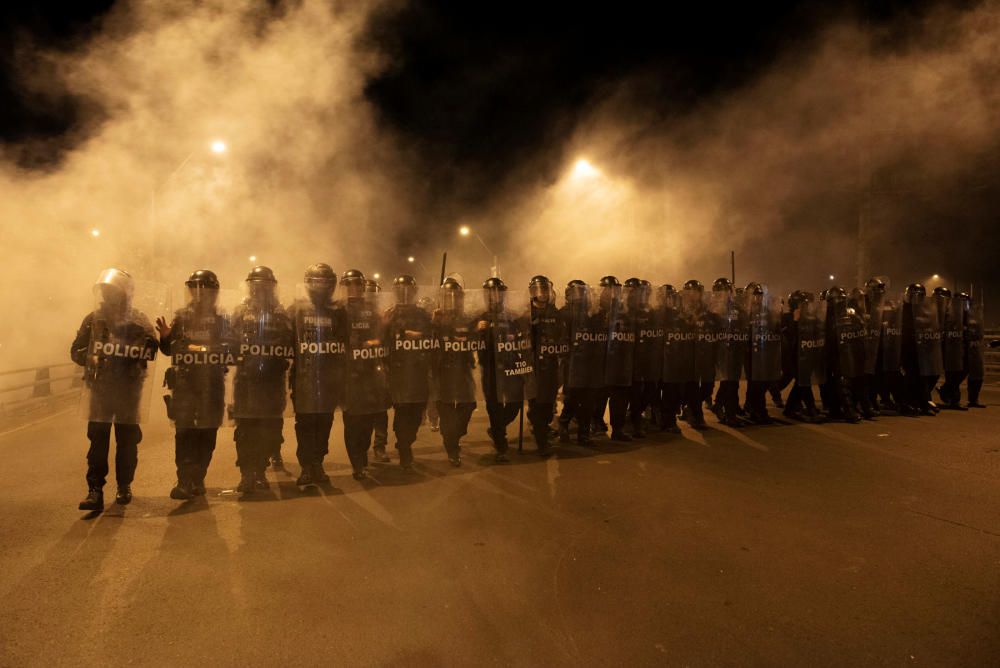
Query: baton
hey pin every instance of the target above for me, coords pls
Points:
(520, 428)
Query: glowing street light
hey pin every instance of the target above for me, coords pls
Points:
(464, 230)
(252, 258)
(411, 259)
(583, 169)
(219, 146)
(95, 233)
(936, 277)
(832, 277)
(376, 275)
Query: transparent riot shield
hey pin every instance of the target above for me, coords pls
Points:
(506, 359)
(811, 358)
(849, 329)
(679, 340)
(892, 335)
(201, 348)
(319, 326)
(457, 342)
(586, 339)
(366, 377)
(975, 360)
(953, 336)
(873, 333)
(117, 347)
(410, 342)
(548, 343)
(927, 332)
(648, 362)
(697, 311)
(264, 349)
(731, 336)
(620, 357)
(765, 337)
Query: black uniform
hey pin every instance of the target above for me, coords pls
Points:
(549, 348)
(316, 378)
(264, 341)
(619, 323)
(200, 346)
(114, 349)
(452, 362)
(366, 392)
(647, 371)
(411, 343)
(506, 342)
(583, 370)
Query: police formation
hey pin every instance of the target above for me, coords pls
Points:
(645, 357)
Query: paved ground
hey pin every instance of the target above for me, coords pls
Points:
(872, 544)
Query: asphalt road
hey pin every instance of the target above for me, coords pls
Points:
(871, 544)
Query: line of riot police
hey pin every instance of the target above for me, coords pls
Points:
(643, 357)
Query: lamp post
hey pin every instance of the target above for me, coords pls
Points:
(465, 231)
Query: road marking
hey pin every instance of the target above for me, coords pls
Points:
(552, 474)
(37, 422)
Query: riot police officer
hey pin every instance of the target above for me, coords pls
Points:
(549, 348)
(678, 356)
(974, 361)
(731, 350)
(617, 321)
(114, 344)
(764, 358)
(453, 359)
(199, 344)
(807, 335)
(503, 366)
(921, 347)
(319, 327)
(410, 341)
(366, 392)
(953, 349)
(648, 366)
(263, 336)
(583, 371)
(380, 435)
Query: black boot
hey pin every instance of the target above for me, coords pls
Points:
(405, 456)
(124, 495)
(563, 433)
(182, 491)
(248, 483)
(319, 475)
(94, 500)
(306, 479)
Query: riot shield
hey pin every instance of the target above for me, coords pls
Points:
(410, 342)
(679, 340)
(952, 336)
(366, 378)
(506, 358)
(975, 361)
(892, 335)
(320, 330)
(201, 349)
(927, 331)
(648, 363)
(549, 346)
(456, 344)
(872, 317)
(765, 337)
(695, 306)
(849, 329)
(586, 339)
(117, 345)
(731, 336)
(263, 343)
(619, 359)
(811, 358)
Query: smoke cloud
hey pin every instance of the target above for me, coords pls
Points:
(223, 131)
(778, 170)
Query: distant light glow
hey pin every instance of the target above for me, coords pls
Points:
(219, 146)
(95, 233)
(411, 259)
(252, 258)
(464, 230)
(376, 275)
(832, 277)
(583, 169)
(935, 277)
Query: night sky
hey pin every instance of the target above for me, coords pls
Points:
(485, 93)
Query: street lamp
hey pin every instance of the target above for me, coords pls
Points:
(465, 230)
(583, 169)
(252, 258)
(832, 277)
(95, 233)
(219, 146)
